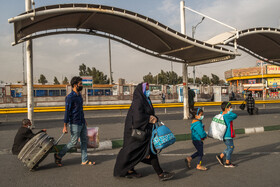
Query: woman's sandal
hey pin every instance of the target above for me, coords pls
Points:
(57, 160)
(202, 168)
(88, 163)
(188, 162)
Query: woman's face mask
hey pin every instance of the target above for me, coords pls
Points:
(147, 93)
(201, 118)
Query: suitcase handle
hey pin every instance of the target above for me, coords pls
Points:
(59, 139)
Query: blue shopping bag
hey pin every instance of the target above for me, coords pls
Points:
(162, 137)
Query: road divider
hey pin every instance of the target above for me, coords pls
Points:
(123, 107)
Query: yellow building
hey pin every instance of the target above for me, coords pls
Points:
(258, 80)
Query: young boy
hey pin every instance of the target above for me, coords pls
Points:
(23, 135)
(229, 116)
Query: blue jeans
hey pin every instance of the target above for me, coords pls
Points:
(228, 151)
(77, 131)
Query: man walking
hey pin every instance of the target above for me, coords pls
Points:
(191, 95)
(74, 115)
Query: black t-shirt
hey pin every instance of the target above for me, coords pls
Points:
(23, 135)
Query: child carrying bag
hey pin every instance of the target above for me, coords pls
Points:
(217, 128)
(162, 137)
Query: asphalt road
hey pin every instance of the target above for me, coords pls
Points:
(257, 155)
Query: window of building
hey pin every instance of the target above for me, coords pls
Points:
(90, 92)
(98, 92)
(63, 92)
(41, 93)
(54, 92)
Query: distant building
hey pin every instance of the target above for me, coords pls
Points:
(259, 80)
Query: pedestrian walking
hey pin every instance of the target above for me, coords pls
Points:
(228, 116)
(74, 115)
(191, 95)
(141, 116)
(162, 98)
(198, 136)
(250, 101)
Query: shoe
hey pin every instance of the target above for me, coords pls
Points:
(230, 165)
(134, 174)
(221, 161)
(166, 176)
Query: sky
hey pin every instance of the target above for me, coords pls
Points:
(61, 55)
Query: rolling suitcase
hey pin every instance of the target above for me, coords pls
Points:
(37, 149)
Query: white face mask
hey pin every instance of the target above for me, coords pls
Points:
(201, 118)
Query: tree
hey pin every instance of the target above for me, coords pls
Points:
(173, 78)
(55, 81)
(65, 81)
(149, 78)
(215, 79)
(205, 79)
(190, 80)
(98, 77)
(42, 79)
(222, 82)
(197, 80)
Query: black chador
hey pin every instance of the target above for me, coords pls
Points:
(135, 151)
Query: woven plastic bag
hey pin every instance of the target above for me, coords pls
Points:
(93, 137)
(217, 128)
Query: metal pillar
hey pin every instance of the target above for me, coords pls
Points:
(184, 66)
(110, 64)
(29, 73)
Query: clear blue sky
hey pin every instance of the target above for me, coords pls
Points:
(61, 55)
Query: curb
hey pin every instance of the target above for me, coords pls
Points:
(118, 143)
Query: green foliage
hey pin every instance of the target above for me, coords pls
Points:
(42, 79)
(197, 80)
(55, 81)
(205, 80)
(65, 81)
(149, 78)
(169, 77)
(215, 79)
(98, 77)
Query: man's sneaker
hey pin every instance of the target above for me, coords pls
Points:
(230, 165)
(221, 161)
(166, 176)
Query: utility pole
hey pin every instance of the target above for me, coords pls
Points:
(110, 64)
(193, 32)
(23, 74)
(184, 66)
(29, 68)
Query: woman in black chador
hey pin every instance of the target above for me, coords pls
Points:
(141, 115)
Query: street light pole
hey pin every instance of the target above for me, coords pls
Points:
(110, 64)
(193, 32)
(185, 65)
(29, 72)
